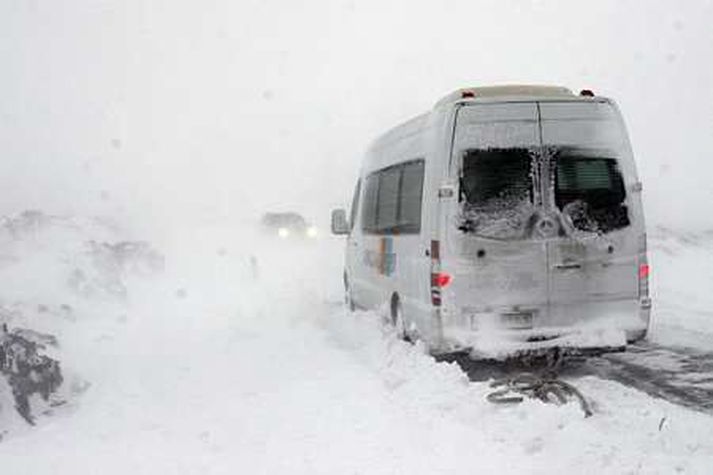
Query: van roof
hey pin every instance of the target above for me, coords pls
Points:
(500, 93)
(508, 90)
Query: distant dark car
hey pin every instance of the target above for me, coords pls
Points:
(287, 225)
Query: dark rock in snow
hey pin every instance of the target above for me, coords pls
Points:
(28, 372)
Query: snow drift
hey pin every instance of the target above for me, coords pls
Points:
(210, 367)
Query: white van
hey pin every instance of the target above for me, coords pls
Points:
(506, 219)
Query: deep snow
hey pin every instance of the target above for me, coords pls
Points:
(682, 279)
(215, 366)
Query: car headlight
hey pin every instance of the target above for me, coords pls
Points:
(312, 232)
(283, 232)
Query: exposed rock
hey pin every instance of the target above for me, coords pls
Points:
(27, 371)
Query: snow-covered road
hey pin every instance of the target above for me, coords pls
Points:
(216, 368)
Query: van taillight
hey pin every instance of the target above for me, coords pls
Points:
(644, 271)
(440, 279)
(467, 94)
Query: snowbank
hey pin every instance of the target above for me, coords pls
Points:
(219, 366)
(682, 287)
(59, 276)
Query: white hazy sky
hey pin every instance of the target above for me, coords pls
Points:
(161, 111)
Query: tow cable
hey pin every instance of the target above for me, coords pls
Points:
(546, 387)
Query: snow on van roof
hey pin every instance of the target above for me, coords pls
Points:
(505, 90)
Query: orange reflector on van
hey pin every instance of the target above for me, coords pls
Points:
(440, 279)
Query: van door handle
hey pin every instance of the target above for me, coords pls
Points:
(571, 265)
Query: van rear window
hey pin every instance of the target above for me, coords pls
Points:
(496, 190)
(590, 191)
(495, 175)
(501, 191)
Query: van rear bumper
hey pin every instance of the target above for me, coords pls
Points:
(502, 332)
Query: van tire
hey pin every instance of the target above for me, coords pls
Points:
(636, 337)
(348, 300)
(397, 318)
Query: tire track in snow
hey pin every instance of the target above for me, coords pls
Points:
(679, 375)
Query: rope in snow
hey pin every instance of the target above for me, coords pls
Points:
(548, 389)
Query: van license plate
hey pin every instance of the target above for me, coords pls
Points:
(517, 321)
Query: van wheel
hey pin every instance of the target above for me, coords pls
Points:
(397, 319)
(348, 301)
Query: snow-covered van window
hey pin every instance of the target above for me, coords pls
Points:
(496, 192)
(589, 190)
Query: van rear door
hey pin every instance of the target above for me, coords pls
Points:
(494, 262)
(594, 258)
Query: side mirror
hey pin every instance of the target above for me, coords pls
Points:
(340, 225)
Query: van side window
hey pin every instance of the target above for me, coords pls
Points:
(368, 207)
(392, 199)
(388, 202)
(410, 196)
(355, 205)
